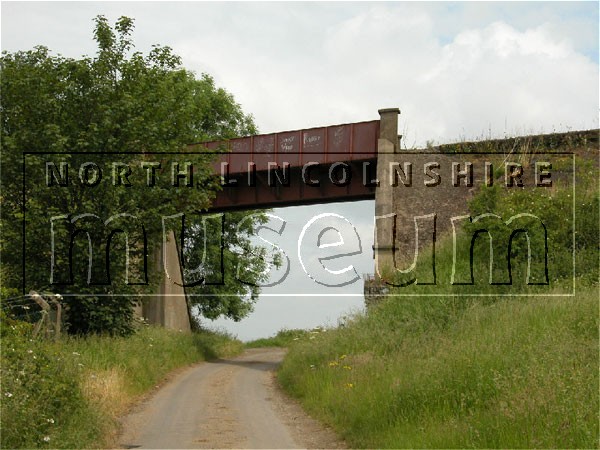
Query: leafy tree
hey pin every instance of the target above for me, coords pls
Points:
(118, 105)
(232, 277)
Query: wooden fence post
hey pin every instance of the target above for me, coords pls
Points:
(50, 325)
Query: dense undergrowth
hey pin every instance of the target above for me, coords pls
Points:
(442, 369)
(69, 394)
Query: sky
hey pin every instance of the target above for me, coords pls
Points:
(457, 71)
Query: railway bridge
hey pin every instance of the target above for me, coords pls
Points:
(347, 162)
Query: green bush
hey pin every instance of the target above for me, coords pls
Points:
(69, 393)
(556, 209)
(42, 402)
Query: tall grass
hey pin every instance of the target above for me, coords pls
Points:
(446, 370)
(69, 394)
(511, 374)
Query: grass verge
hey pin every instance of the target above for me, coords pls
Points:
(283, 338)
(511, 374)
(69, 394)
(461, 371)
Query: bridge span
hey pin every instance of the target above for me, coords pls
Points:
(316, 165)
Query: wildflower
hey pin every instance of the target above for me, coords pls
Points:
(343, 357)
(76, 354)
(8, 394)
(333, 364)
(348, 367)
(50, 420)
(312, 366)
(80, 365)
(295, 339)
(349, 385)
(46, 439)
(30, 351)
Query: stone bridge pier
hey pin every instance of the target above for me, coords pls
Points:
(388, 145)
(169, 307)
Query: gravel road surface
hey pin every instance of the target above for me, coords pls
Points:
(227, 403)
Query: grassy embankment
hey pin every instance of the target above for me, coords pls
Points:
(283, 338)
(69, 394)
(471, 371)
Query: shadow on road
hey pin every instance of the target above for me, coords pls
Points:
(264, 366)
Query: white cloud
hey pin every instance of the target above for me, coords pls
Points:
(494, 77)
(455, 70)
(512, 82)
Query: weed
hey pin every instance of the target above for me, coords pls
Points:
(70, 393)
(454, 371)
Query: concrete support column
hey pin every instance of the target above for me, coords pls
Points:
(169, 307)
(387, 146)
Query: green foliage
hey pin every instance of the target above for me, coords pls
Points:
(40, 393)
(565, 217)
(284, 338)
(143, 359)
(570, 214)
(436, 373)
(232, 276)
(454, 371)
(146, 108)
(70, 394)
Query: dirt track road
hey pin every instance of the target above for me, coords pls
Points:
(232, 403)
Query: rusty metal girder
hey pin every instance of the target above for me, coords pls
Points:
(354, 181)
(248, 165)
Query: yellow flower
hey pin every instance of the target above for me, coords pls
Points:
(348, 367)
(333, 364)
(349, 385)
(343, 357)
